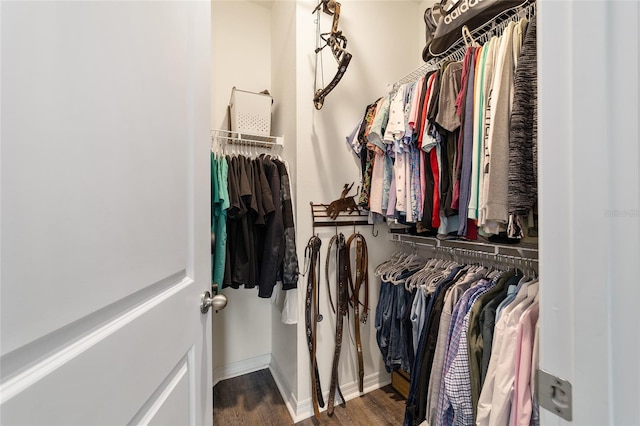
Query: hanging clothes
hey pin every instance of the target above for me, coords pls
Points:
(496, 398)
(523, 155)
(430, 322)
(260, 244)
(290, 269)
(449, 161)
(237, 258)
(494, 213)
(273, 246)
(219, 206)
(366, 154)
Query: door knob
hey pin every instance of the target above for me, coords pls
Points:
(217, 302)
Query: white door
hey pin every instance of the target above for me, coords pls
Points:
(105, 213)
(589, 105)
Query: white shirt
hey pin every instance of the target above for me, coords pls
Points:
(494, 405)
(395, 126)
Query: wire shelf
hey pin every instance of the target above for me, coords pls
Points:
(222, 138)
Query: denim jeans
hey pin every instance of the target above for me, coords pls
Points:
(393, 327)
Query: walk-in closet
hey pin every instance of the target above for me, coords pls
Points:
(122, 173)
(275, 52)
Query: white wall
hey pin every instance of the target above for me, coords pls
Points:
(284, 123)
(241, 49)
(381, 55)
(241, 46)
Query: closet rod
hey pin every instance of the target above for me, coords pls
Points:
(245, 139)
(482, 34)
(522, 250)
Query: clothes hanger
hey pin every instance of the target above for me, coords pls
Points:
(415, 279)
(426, 280)
(397, 258)
(531, 268)
(413, 263)
(219, 148)
(431, 269)
(441, 271)
(388, 269)
(387, 266)
(402, 259)
(225, 148)
(469, 41)
(393, 259)
(466, 257)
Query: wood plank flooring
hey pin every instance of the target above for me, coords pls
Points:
(383, 406)
(254, 399)
(251, 399)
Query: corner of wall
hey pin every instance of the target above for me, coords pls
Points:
(284, 339)
(288, 394)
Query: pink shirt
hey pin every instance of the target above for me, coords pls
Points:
(423, 182)
(522, 395)
(494, 405)
(413, 114)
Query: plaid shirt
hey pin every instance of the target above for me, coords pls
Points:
(454, 403)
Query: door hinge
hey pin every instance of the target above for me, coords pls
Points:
(554, 394)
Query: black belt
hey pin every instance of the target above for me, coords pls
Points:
(342, 305)
(361, 280)
(312, 317)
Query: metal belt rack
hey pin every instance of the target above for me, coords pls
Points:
(321, 218)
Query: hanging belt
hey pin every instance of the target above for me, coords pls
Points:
(326, 269)
(342, 305)
(361, 279)
(312, 317)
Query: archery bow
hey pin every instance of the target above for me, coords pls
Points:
(337, 42)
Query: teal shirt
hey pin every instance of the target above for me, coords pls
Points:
(219, 206)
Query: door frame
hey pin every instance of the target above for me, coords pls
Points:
(588, 54)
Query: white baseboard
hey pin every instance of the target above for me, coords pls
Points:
(287, 394)
(239, 368)
(374, 381)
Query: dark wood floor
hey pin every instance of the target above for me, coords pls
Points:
(254, 399)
